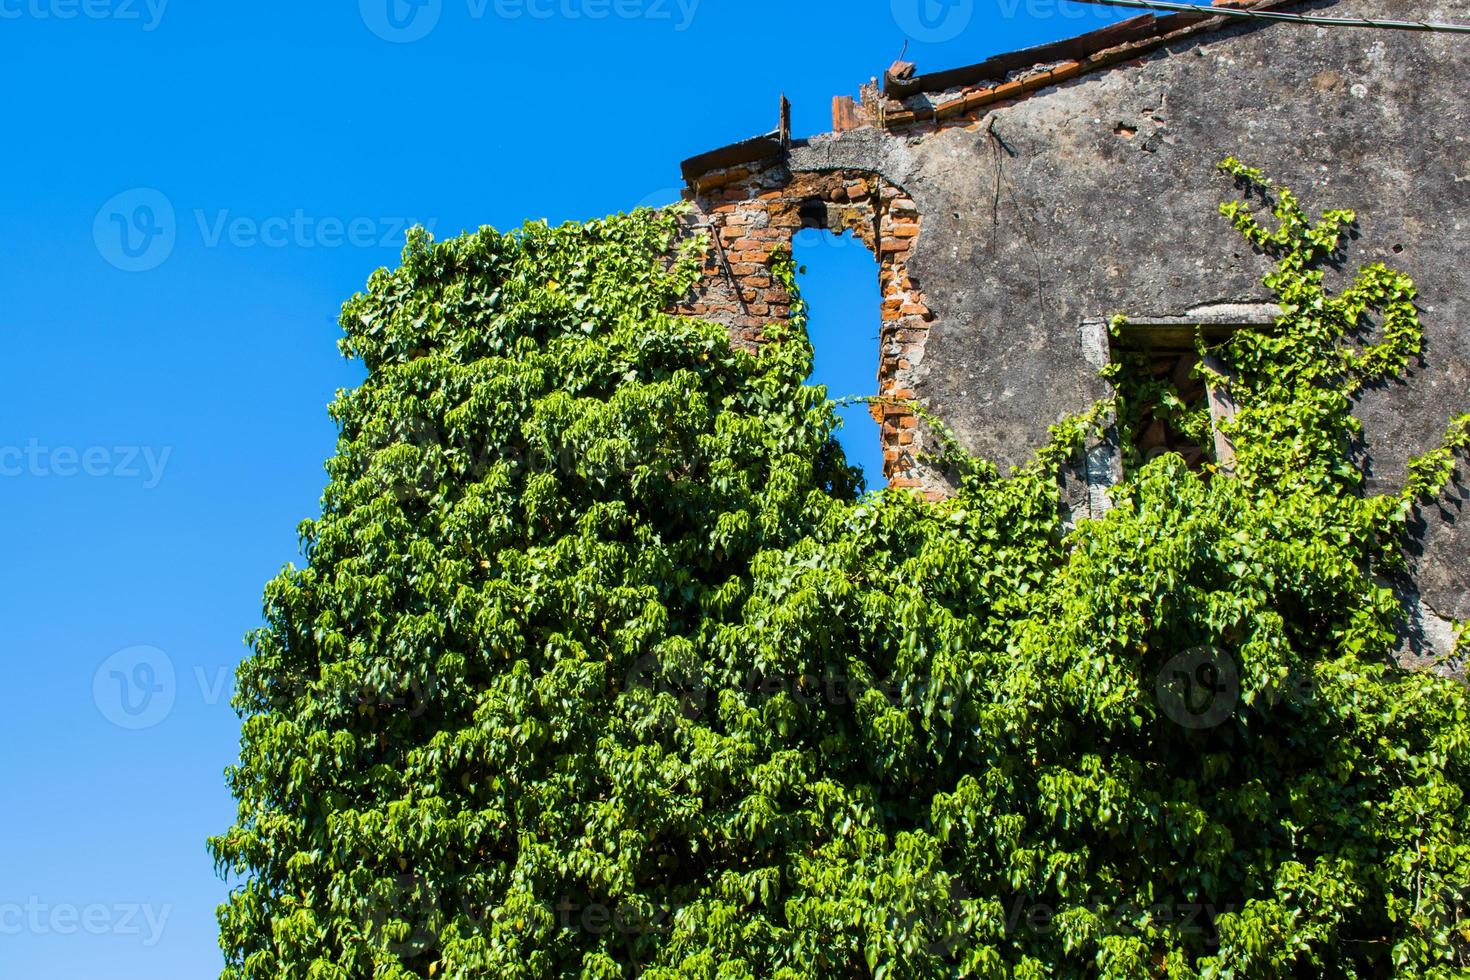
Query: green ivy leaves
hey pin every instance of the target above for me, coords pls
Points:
(600, 667)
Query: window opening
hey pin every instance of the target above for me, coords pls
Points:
(1186, 395)
(839, 283)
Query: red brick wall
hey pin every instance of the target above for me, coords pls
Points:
(749, 214)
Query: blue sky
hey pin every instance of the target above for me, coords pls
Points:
(189, 191)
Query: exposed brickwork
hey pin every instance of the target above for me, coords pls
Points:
(751, 213)
(752, 209)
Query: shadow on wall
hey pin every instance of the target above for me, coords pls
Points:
(840, 286)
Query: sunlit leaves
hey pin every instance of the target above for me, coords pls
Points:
(600, 668)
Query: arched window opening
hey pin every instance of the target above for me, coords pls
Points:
(840, 286)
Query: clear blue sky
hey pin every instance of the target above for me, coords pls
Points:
(163, 395)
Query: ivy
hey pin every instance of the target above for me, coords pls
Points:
(601, 666)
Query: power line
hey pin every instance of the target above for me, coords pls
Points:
(1392, 25)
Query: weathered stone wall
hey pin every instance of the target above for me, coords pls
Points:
(1062, 195)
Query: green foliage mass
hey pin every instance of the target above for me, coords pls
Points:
(601, 666)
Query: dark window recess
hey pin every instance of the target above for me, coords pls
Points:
(1166, 355)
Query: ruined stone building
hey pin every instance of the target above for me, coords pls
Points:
(1015, 205)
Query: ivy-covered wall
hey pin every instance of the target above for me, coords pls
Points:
(751, 216)
(1043, 211)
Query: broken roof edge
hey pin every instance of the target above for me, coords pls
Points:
(758, 149)
(1067, 59)
(996, 69)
